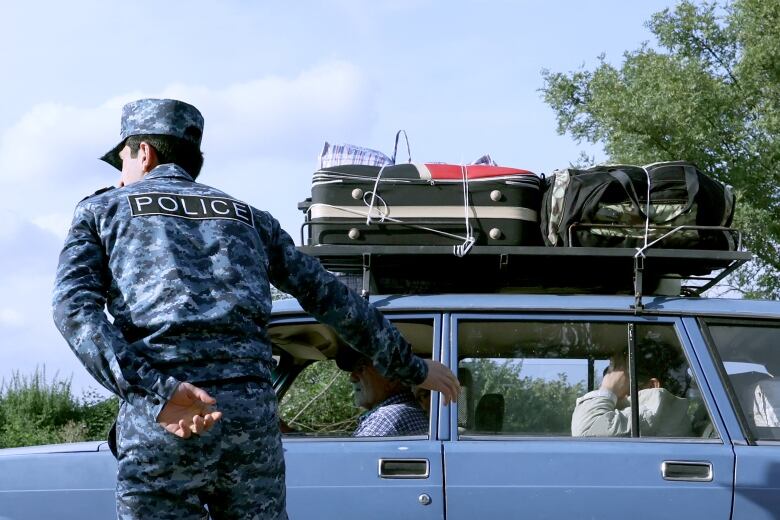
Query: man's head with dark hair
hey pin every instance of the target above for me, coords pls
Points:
(170, 149)
(656, 362)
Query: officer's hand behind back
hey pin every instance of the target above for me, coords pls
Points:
(190, 410)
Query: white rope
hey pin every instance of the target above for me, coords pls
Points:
(382, 213)
(647, 209)
(463, 249)
(373, 195)
(640, 251)
(390, 219)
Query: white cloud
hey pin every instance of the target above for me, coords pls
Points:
(275, 116)
(10, 317)
(261, 141)
(48, 157)
(55, 223)
(274, 125)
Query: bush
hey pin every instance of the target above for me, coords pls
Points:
(36, 411)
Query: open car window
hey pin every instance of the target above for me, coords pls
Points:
(318, 399)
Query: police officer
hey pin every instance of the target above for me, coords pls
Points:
(184, 270)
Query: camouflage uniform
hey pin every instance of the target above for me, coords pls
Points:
(184, 270)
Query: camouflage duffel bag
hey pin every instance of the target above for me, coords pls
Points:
(607, 206)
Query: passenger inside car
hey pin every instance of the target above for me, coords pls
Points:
(758, 394)
(766, 404)
(606, 412)
(423, 398)
(392, 408)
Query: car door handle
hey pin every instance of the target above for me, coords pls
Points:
(404, 468)
(690, 471)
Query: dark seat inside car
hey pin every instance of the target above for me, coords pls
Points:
(489, 415)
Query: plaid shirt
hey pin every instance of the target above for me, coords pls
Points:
(397, 415)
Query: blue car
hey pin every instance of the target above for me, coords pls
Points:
(544, 426)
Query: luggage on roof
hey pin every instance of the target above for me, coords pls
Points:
(608, 206)
(424, 204)
(437, 227)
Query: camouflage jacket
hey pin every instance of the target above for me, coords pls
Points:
(184, 270)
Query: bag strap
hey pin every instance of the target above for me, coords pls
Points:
(395, 148)
(691, 188)
(691, 185)
(625, 181)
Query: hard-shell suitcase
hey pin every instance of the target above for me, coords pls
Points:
(424, 204)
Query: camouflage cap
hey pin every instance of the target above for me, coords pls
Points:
(157, 117)
(349, 359)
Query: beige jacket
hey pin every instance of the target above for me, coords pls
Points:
(661, 414)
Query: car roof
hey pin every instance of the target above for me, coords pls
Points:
(675, 305)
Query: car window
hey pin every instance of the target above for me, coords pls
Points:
(553, 378)
(319, 402)
(750, 355)
(321, 398)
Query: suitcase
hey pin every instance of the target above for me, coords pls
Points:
(423, 204)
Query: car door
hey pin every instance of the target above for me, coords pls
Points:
(745, 361)
(512, 453)
(63, 481)
(333, 475)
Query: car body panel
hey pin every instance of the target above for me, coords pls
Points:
(500, 477)
(340, 479)
(757, 471)
(565, 477)
(68, 482)
(757, 482)
(595, 478)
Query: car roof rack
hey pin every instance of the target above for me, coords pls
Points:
(485, 269)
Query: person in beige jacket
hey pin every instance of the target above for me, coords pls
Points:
(606, 412)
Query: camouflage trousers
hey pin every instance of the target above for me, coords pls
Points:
(233, 471)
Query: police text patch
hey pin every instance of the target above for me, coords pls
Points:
(197, 207)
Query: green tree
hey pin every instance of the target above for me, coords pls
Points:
(532, 405)
(708, 92)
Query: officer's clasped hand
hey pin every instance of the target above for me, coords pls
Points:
(190, 410)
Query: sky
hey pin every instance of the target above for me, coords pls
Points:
(274, 81)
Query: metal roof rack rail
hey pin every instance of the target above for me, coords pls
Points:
(424, 269)
(729, 236)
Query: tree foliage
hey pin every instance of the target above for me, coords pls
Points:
(320, 402)
(709, 92)
(533, 405)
